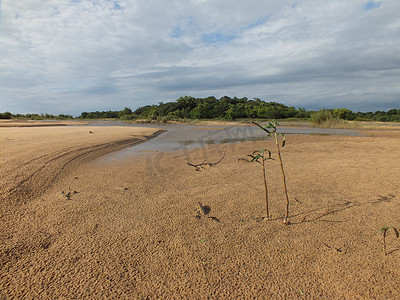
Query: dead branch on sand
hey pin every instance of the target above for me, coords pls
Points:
(198, 167)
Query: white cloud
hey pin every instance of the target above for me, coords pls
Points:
(67, 56)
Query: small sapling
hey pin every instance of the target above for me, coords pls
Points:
(270, 128)
(256, 157)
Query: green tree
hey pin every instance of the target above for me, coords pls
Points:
(343, 114)
(6, 115)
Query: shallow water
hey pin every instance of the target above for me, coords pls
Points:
(184, 137)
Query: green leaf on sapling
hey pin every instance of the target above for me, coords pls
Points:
(270, 125)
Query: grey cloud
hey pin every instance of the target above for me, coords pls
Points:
(312, 53)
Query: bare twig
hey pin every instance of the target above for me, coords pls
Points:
(337, 249)
(297, 200)
(198, 167)
(68, 195)
(243, 159)
(384, 230)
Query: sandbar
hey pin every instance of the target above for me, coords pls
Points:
(133, 228)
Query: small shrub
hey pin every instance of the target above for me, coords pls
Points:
(322, 116)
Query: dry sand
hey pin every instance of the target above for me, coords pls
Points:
(129, 229)
(32, 159)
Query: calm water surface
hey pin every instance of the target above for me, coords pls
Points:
(184, 137)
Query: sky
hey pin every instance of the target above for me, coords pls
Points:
(70, 56)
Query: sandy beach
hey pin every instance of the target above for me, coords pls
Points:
(76, 227)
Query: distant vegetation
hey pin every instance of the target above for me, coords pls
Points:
(8, 115)
(205, 108)
(225, 108)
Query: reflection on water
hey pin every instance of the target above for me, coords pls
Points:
(223, 141)
(184, 137)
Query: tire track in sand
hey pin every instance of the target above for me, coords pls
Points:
(30, 179)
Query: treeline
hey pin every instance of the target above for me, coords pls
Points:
(225, 108)
(392, 115)
(8, 115)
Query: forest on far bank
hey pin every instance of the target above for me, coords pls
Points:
(225, 108)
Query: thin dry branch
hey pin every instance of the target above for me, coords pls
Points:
(198, 167)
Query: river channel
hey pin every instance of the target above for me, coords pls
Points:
(183, 137)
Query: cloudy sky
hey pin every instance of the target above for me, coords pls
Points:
(69, 56)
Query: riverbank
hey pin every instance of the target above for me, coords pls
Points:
(133, 228)
(341, 124)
